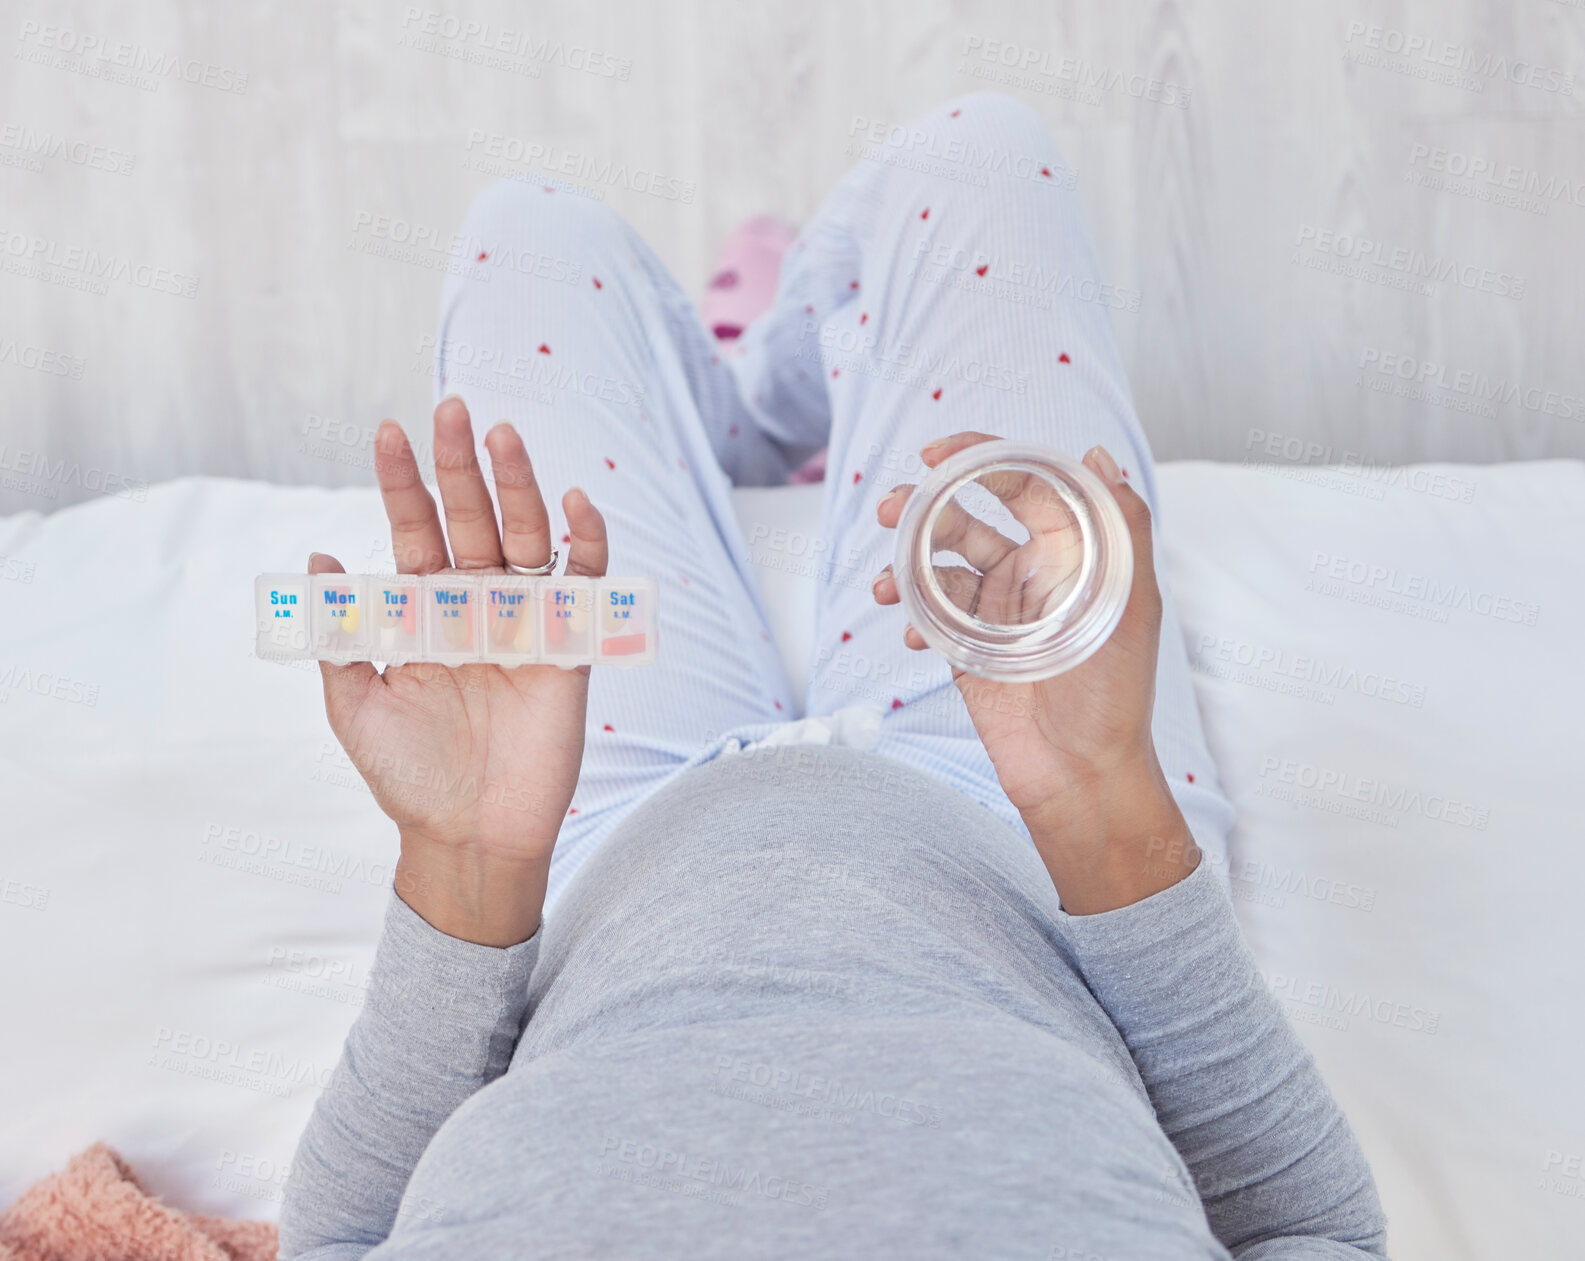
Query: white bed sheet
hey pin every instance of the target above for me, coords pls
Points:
(191, 877)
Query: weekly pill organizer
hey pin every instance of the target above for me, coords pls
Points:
(454, 619)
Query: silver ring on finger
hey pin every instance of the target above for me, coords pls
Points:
(536, 571)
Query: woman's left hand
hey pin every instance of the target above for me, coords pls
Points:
(1074, 752)
(476, 764)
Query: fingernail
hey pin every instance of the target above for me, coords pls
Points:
(930, 448)
(882, 576)
(1105, 465)
(449, 397)
(890, 495)
(577, 493)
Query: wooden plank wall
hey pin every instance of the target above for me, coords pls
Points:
(1298, 120)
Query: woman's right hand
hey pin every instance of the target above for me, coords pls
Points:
(1074, 753)
(476, 764)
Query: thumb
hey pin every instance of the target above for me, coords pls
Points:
(1144, 595)
(345, 686)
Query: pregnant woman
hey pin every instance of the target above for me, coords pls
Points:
(947, 970)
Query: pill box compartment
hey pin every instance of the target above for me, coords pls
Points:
(339, 621)
(396, 616)
(281, 607)
(625, 621)
(451, 619)
(511, 620)
(567, 634)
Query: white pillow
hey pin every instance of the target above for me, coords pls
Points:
(1389, 670)
(213, 873)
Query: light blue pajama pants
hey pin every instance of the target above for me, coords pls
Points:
(948, 283)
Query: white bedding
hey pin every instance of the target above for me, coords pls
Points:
(191, 877)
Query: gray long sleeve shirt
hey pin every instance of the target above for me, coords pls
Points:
(808, 1002)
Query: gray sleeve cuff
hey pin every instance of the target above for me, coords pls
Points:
(453, 1001)
(1168, 963)
(1197, 902)
(412, 942)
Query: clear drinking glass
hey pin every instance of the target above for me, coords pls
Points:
(1013, 561)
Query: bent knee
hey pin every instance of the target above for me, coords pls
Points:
(1008, 134)
(544, 219)
(1003, 112)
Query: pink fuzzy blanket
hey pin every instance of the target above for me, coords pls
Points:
(95, 1210)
